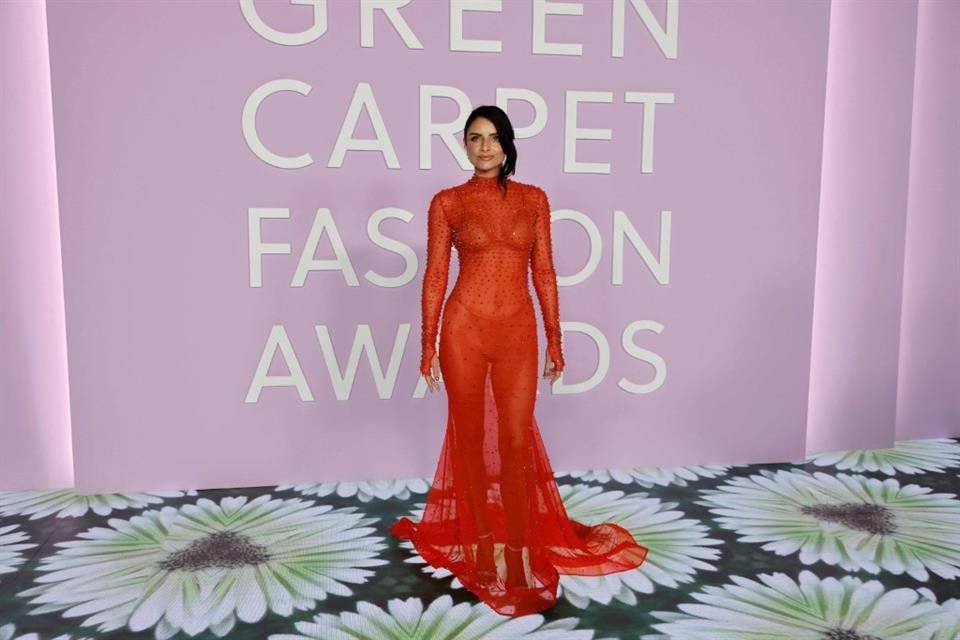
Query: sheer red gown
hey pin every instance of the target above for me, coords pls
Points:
(494, 516)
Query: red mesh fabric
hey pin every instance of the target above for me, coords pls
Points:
(494, 516)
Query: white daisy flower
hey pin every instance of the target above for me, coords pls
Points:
(679, 547)
(650, 476)
(950, 621)
(12, 543)
(7, 631)
(909, 456)
(442, 620)
(851, 521)
(950, 625)
(365, 491)
(67, 503)
(204, 565)
(779, 608)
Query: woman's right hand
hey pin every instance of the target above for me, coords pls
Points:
(433, 377)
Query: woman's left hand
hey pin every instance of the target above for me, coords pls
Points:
(550, 370)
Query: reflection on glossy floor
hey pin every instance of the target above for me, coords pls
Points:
(861, 545)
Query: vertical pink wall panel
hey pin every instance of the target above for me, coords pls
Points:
(34, 403)
(928, 398)
(863, 200)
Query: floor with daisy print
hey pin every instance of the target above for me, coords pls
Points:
(857, 545)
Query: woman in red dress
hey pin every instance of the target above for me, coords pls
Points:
(494, 517)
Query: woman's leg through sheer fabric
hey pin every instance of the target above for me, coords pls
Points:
(494, 516)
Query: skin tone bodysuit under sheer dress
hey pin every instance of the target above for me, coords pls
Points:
(494, 516)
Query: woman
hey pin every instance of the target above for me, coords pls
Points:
(494, 516)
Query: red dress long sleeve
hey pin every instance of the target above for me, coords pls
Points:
(439, 236)
(545, 277)
(494, 516)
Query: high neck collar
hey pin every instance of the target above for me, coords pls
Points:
(485, 182)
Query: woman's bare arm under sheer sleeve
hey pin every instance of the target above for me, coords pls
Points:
(439, 237)
(545, 278)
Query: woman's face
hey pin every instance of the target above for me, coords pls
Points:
(483, 147)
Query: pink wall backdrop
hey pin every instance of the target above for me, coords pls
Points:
(173, 178)
(34, 405)
(697, 353)
(927, 400)
(863, 206)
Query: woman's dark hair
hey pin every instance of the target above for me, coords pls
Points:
(501, 122)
